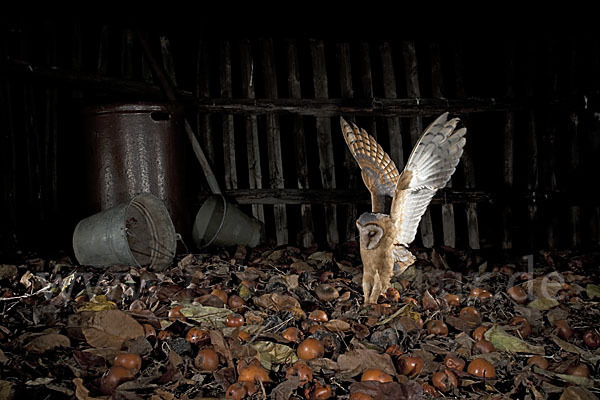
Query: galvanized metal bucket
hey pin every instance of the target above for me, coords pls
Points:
(137, 233)
(220, 223)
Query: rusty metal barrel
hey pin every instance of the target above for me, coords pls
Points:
(136, 148)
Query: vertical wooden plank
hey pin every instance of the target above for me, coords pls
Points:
(345, 68)
(252, 143)
(448, 227)
(389, 91)
(466, 159)
(8, 161)
(50, 156)
(32, 137)
(168, 61)
(409, 54)
(532, 148)
(228, 130)
(274, 139)
(203, 120)
(550, 142)
(366, 80)
(574, 150)
(127, 54)
(508, 152)
(102, 65)
(295, 91)
(77, 54)
(325, 144)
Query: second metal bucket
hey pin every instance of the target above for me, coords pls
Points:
(220, 223)
(137, 233)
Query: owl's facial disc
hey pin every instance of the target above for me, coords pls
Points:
(370, 235)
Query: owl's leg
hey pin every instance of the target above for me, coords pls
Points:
(367, 285)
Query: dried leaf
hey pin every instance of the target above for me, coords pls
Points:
(284, 390)
(98, 303)
(111, 328)
(502, 341)
(577, 393)
(356, 361)
(46, 342)
(336, 325)
(321, 257)
(411, 390)
(277, 302)
(302, 266)
(274, 353)
(213, 317)
(543, 303)
(592, 291)
(576, 380)
(8, 272)
(3, 358)
(571, 348)
(81, 392)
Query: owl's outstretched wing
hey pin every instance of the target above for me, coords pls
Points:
(429, 167)
(377, 168)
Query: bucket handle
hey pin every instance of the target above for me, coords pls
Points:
(221, 224)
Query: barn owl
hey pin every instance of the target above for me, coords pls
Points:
(386, 231)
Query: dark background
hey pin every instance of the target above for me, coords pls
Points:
(549, 80)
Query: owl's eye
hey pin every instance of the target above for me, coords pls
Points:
(372, 233)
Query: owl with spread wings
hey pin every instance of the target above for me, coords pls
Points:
(386, 231)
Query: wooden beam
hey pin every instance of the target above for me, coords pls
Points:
(466, 159)
(532, 148)
(437, 82)
(345, 68)
(229, 159)
(202, 91)
(252, 143)
(366, 79)
(294, 88)
(508, 148)
(274, 138)
(343, 196)
(324, 141)
(389, 90)
(409, 54)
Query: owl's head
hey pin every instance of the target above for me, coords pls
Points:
(371, 228)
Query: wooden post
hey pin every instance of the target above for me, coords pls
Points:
(509, 133)
(437, 85)
(574, 151)
(389, 91)
(8, 162)
(366, 80)
(168, 61)
(252, 143)
(50, 156)
(549, 140)
(77, 54)
(170, 91)
(409, 54)
(127, 54)
(203, 123)
(532, 149)
(228, 129)
(274, 139)
(466, 160)
(102, 65)
(344, 63)
(294, 88)
(326, 161)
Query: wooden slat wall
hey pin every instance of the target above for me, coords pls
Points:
(416, 126)
(252, 139)
(325, 144)
(317, 83)
(295, 91)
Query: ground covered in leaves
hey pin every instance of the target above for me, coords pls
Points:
(289, 323)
